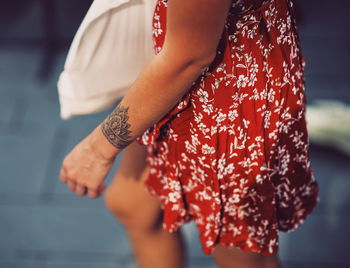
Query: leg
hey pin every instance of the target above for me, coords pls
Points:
(236, 258)
(140, 213)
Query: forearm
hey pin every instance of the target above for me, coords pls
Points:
(157, 89)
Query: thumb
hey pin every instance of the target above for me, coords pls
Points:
(102, 188)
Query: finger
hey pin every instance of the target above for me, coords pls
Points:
(63, 175)
(80, 190)
(93, 192)
(71, 185)
(101, 190)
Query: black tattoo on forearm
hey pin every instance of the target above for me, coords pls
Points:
(116, 127)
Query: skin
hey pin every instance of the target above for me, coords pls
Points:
(125, 196)
(116, 127)
(194, 28)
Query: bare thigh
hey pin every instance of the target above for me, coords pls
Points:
(126, 196)
(233, 257)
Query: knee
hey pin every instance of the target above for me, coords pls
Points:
(133, 206)
(114, 204)
(119, 204)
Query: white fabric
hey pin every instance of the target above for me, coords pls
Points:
(328, 123)
(110, 49)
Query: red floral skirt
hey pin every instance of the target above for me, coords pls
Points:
(233, 154)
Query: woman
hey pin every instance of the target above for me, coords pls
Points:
(215, 128)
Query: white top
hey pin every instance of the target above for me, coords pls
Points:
(111, 47)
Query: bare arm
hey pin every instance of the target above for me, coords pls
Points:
(194, 28)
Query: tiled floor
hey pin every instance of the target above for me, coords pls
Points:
(42, 224)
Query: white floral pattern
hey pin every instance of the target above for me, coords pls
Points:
(233, 154)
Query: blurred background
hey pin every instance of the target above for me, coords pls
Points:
(43, 224)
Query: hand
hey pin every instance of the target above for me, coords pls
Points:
(87, 165)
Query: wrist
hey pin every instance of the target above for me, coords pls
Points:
(100, 143)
